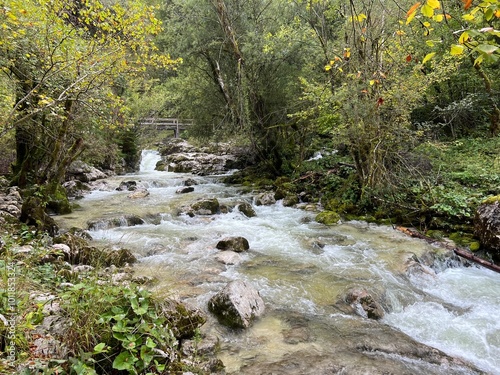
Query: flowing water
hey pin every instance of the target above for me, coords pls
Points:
(302, 270)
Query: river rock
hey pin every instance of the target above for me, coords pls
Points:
(265, 199)
(237, 305)
(487, 224)
(246, 209)
(206, 207)
(364, 304)
(139, 193)
(236, 244)
(120, 221)
(127, 186)
(184, 190)
(228, 258)
(78, 170)
(183, 320)
(190, 182)
(328, 217)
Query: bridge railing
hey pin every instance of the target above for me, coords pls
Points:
(159, 123)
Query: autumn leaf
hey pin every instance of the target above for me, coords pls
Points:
(408, 58)
(434, 4)
(457, 49)
(428, 57)
(412, 9)
(467, 4)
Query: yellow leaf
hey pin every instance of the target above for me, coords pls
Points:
(430, 43)
(468, 17)
(328, 67)
(361, 17)
(457, 49)
(410, 17)
(438, 18)
(427, 11)
(400, 32)
(428, 57)
(463, 38)
(427, 24)
(434, 4)
(372, 82)
(497, 13)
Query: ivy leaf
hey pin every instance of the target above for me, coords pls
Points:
(124, 361)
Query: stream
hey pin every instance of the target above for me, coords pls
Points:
(302, 270)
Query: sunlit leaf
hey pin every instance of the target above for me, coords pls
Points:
(412, 10)
(430, 43)
(463, 38)
(427, 11)
(438, 18)
(457, 49)
(488, 15)
(426, 24)
(410, 17)
(468, 17)
(428, 57)
(434, 4)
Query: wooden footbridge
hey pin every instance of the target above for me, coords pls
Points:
(175, 124)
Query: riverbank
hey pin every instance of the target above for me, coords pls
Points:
(70, 307)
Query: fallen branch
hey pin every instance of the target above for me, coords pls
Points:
(460, 252)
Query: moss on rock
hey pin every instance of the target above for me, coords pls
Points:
(328, 217)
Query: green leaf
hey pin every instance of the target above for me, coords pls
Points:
(124, 361)
(100, 348)
(487, 49)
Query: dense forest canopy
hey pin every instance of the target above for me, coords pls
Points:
(368, 80)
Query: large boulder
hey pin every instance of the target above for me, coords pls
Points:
(206, 207)
(246, 209)
(236, 244)
(237, 305)
(487, 224)
(78, 170)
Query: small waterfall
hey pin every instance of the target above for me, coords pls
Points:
(149, 158)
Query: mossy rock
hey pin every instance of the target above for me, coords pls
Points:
(183, 321)
(33, 213)
(247, 209)
(328, 217)
(210, 206)
(474, 246)
(290, 200)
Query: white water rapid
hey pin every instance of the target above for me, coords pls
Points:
(302, 269)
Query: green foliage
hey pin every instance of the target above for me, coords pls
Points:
(117, 328)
